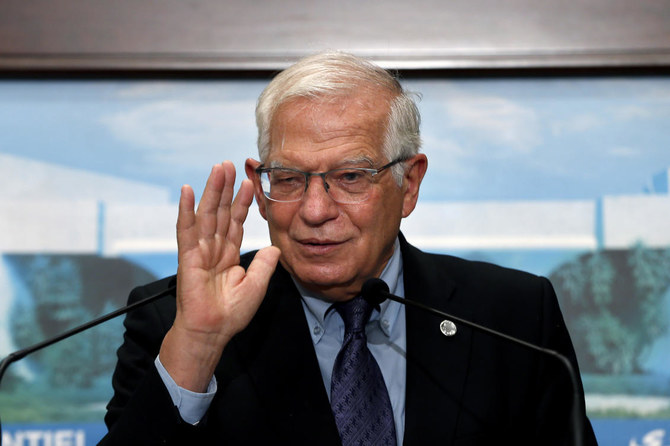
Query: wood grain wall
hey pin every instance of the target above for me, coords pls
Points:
(268, 35)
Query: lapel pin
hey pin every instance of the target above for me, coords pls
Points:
(448, 328)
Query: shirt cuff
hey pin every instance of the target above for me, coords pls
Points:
(191, 405)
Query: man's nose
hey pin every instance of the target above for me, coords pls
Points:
(317, 205)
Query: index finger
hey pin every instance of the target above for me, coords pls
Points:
(186, 217)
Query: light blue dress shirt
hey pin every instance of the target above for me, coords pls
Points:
(386, 339)
(385, 332)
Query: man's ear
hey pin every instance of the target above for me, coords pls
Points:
(250, 167)
(414, 171)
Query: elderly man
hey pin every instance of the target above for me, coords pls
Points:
(277, 346)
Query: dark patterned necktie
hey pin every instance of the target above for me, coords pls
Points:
(359, 398)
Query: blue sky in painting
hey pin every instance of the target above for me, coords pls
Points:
(545, 139)
(486, 139)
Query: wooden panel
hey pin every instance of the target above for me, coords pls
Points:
(266, 34)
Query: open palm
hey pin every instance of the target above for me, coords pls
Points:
(216, 297)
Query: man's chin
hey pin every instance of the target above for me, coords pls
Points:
(332, 286)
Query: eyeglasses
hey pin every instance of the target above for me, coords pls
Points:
(346, 185)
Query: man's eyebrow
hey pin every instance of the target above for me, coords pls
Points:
(275, 164)
(358, 160)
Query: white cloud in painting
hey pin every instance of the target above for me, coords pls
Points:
(446, 153)
(633, 112)
(624, 152)
(656, 92)
(448, 148)
(575, 124)
(178, 132)
(142, 90)
(498, 122)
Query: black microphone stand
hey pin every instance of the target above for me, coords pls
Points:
(377, 287)
(19, 354)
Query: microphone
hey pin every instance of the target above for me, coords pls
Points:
(375, 291)
(19, 354)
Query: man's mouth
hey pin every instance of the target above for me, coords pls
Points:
(314, 242)
(318, 246)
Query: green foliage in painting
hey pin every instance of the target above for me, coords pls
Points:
(613, 301)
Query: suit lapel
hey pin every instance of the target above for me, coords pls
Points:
(437, 365)
(282, 364)
(285, 370)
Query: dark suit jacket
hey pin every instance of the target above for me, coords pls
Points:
(468, 389)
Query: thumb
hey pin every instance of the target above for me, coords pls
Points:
(262, 266)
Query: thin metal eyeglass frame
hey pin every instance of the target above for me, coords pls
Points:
(374, 172)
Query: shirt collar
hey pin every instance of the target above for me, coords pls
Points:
(317, 308)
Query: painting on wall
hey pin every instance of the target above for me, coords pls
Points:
(563, 177)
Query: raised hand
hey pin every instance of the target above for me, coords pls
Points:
(216, 297)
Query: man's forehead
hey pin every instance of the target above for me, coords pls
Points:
(368, 99)
(328, 121)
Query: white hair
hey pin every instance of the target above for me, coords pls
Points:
(337, 74)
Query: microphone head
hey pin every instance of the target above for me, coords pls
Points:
(373, 291)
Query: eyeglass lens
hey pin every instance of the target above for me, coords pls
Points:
(343, 185)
